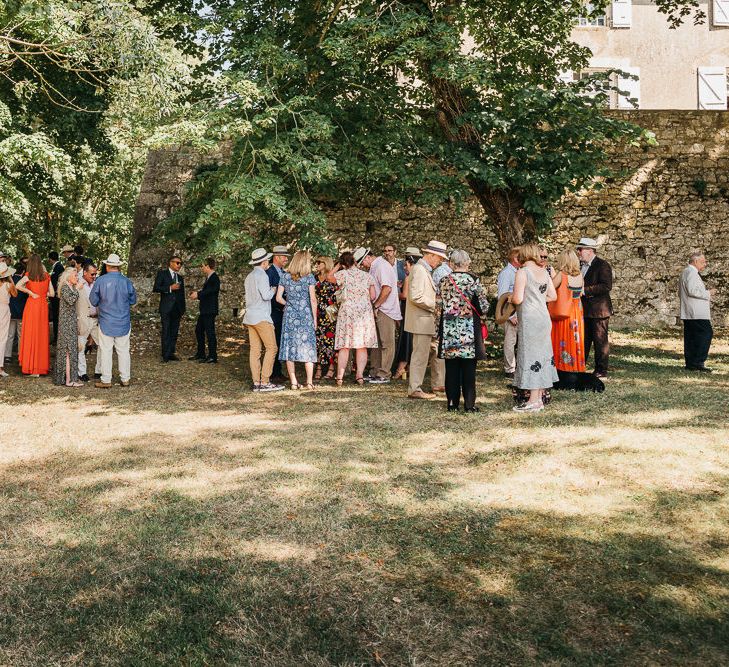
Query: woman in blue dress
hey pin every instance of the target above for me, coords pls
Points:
(298, 331)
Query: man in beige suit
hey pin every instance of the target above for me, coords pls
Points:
(420, 320)
(696, 314)
(88, 324)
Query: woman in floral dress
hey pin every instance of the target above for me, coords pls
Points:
(298, 337)
(326, 302)
(356, 327)
(459, 292)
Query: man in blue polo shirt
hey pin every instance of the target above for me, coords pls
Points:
(112, 295)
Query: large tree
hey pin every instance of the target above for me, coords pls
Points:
(81, 85)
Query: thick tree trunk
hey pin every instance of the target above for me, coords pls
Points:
(512, 224)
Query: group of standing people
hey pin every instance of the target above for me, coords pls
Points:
(85, 312)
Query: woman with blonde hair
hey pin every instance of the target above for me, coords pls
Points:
(298, 329)
(33, 352)
(326, 316)
(66, 372)
(568, 333)
(533, 288)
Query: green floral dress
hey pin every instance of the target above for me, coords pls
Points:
(456, 316)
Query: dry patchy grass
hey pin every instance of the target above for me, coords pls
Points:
(188, 521)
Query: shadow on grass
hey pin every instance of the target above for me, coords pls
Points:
(244, 577)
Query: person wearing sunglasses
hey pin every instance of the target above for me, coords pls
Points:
(170, 286)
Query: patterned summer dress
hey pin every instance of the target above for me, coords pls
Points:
(67, 336)
(326, 325)
(298, 339)
(457, 339)
(534, 359)
(355, 321)
(568, 336)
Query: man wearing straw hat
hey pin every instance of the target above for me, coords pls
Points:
(420, 320)
(112, 295)
(261, 333)
(275, 271)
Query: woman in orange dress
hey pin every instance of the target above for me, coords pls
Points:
(33, 351)
(568, 335)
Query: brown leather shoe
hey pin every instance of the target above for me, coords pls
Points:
(102, 385)
(440, 390)
(422, 396)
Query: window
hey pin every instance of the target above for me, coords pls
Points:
(590, 19)
(612, 102)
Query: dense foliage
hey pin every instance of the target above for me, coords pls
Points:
(83, 84)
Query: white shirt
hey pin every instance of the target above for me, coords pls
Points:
(258, 297)
(585, 267)
(87, 290)
(505, 280)
(385, 274)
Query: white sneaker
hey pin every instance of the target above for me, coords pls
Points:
(264, 388)
(3, 374)
(529, 407)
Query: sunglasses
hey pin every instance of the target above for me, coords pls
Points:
(544, 256)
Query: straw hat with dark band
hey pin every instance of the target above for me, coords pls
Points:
(504, 308)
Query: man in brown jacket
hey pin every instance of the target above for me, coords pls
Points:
(420, 319)
(596, 303)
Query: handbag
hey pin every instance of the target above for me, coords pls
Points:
(480, 328)
(560, 309)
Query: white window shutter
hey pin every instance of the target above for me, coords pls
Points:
(622, 13)
(630, 88)
(720, 13)
(712, 88)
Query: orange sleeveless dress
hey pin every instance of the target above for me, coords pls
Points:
(568, 336)
(34, 351)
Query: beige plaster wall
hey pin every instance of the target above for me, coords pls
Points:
(668, 59)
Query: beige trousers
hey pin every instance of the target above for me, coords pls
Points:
(425, 350)
(262, 335)
(509, 347)
(381, 357)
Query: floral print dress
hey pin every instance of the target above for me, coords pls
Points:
(534, 359)
(326, 325)
(568, 336)
(298, 339)
(456, 330)
(355, 321)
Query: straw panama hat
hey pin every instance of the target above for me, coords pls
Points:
(412, 250)
(260, 255)
(280, 250)
(504, 308)
(359, 254)
(112, 260)
(587, 242)
(67, 248)
(436, 248)
(5, 270)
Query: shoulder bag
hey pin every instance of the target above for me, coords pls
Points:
(560, 309)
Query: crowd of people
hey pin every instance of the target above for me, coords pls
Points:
(378, 317)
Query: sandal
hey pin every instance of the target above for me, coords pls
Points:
(309, 387)
(317, 375)
(329, 376)
(360, 380)
(295, 385)
(340, 381)
(399, 373)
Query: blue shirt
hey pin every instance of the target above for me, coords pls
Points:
(441, 272)
(113, 294)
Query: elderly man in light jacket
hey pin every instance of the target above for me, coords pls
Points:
(696, 314)
(420, 320)
(88, 323)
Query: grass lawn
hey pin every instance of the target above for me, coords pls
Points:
(185, 520)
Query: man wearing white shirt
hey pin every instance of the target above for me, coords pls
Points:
(504, 285)
(696, 314)
(261, 333)
(88, 323)
(387, 314)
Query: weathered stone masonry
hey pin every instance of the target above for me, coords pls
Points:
(675, 199)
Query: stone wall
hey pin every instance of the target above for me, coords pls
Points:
(674, 198)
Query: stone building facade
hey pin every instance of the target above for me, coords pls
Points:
(672, 199)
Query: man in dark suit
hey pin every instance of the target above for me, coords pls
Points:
(56, 271)
(278, 262)
(170, 286)
(596, 303)
(205, 327)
